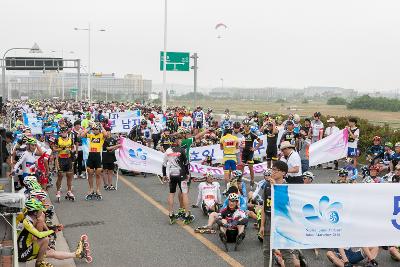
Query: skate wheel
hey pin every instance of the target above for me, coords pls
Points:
(87, 246)
(84, 237)
(89, 259)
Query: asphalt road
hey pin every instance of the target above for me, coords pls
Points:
(129, 227)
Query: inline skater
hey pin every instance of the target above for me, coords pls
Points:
(293, 160)
(376, 152)
(229, 144)
(166, 140)
(237, 133)
(272, 139)
(236, 181)
(93, 163)
(387, 156)
(33, 238)
(231, 222)
(176, 166)
(308, 177)
(199, 119)
(187, 121)
(354, 134)
(108, 158)
(78, 162)
(248, 149)
(347, 257)
(209, 195)
(226, 122)
(289, 135)
(65, 148)
(137, 133)
(343, 177)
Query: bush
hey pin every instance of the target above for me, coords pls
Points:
(336, 101)
(374, 103)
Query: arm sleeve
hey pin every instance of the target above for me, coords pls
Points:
(199, 195)
(29, 226)
(20, 161)
(244, 189)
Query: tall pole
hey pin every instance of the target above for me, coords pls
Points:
(164, 92)
(88, 82)
(3, 81)
(194, 68)
(62, 86)
(79, 79)
(222, 83)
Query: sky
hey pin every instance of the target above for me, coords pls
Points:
(347, 43)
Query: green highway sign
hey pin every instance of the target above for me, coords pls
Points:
(176, 61)
(73, 90)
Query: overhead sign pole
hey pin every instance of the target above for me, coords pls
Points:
(164, 89)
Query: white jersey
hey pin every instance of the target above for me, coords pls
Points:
(27, 163)
(209, 193)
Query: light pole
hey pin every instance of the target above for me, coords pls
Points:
(34, 49)
(88, 29)
(222, 83)
(164, 92)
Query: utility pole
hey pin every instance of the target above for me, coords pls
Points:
(194, 68)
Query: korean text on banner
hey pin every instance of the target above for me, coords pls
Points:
(335, 216)
(330, 148)
(122, 122)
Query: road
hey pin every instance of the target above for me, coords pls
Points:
(129, 227)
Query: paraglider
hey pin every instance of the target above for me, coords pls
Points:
(220, 28)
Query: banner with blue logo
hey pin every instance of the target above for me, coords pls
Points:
(335, 216)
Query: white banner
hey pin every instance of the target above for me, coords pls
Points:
(122, 122)
(198, 154)
(335, 216)
(136, 157)
(329, 148)
(32, 122)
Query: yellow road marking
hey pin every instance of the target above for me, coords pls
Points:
(210, 245)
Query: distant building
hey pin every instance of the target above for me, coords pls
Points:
(104, 86)
(328, 92)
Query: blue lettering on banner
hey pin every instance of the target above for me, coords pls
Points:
(396, 211)
(207, 153)
(126, 124)
(114, 116)
(194, 156)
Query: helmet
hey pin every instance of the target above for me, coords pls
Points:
(143, 122)
(31, 141)
(34, 205)
(209, 174)
(389, 144)
(39, 195)
(296, 117)
(28, 179)
(209, 110)
(377, 138)
(267, 172)
(266, 113)
(237, 174)
(397, 144)
(343, 172)
(317, 114)
(309, 175)
(236, 125)
(233, 197)
(183, 130)
(246, 122)
(227, 129)
(33, 186)
(63, 129)
(255, 113)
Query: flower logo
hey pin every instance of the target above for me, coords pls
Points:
(326, 212)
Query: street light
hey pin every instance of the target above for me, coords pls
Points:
(34, 49)
(88, 29)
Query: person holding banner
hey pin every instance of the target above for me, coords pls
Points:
(279, 171)
(229, 144)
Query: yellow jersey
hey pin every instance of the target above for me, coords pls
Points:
(96, 142)
(64, 145)
(229, 144)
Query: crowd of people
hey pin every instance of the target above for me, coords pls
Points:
(39, 162)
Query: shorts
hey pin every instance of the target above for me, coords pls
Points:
(177, 181)
(229, 164)
(294, 180)
(198, 125)
(353, 256)
(27, 248)
(352, 152)
(272, 154)
(94, 160)
(64, 164)
(108, 166)
(247, 156)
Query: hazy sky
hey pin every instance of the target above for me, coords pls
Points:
(347, 43)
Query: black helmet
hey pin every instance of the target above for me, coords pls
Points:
(227, 129)
(63, 129)
(343, 172)
(143, 122)
(236, 125)
(246, 122)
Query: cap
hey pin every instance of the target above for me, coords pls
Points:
(331, 120)
(286, 144)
